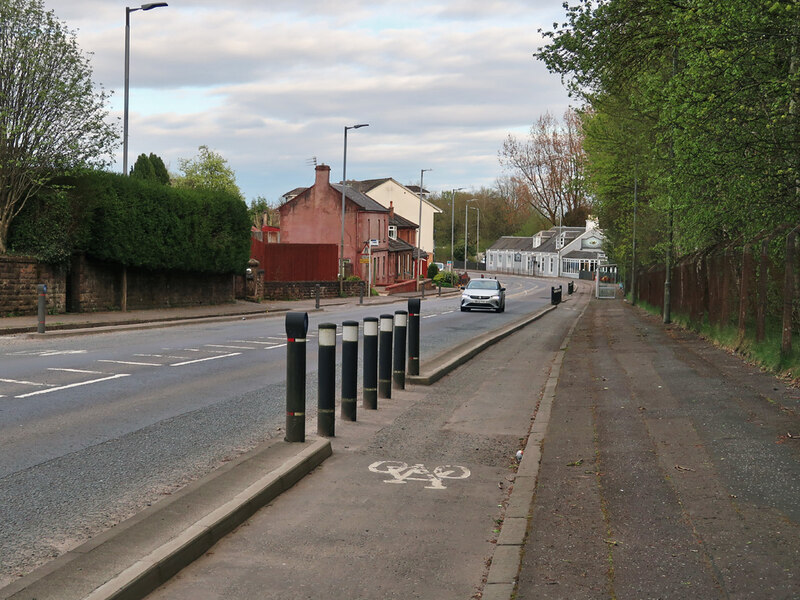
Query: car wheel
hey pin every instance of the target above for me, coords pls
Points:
(502, 308)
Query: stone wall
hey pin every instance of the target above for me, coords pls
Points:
(298, 290)
(19, 277)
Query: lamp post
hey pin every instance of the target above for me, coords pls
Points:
(453, 225)
(419, 227)
(344, 187)
(128, 11)
(478, 238)
(466, 231)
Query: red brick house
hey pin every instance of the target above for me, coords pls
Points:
(314, 215)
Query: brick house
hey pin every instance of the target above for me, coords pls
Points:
(314, 215)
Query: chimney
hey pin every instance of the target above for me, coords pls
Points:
(323, 176)
(391, 210)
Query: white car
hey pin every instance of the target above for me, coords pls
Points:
(483, 293)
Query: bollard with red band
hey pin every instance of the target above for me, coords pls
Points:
(413, 335)
(400, 326)
(326, 380)
(370, 385)
(349, 369)
(296, 329)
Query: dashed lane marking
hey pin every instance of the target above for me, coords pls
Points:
(75, 371)
(190, 362)
(229, 347)
(162, 356)
(25, 382)
(71, 385)
(130, 362)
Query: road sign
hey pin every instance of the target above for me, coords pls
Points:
(374, 242)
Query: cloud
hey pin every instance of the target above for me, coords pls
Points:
(270, 85)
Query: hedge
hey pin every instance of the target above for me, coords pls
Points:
(136, 223)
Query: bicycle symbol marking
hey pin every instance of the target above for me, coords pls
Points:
(402, 473)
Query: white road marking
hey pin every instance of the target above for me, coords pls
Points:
(229, 347)
(75, 371)
(429, 316)
(273, 347)
(448, 312)
(130, 362)
(253, 342)
(25, 382)
(161, 356)
(45, 352)
(72, 385)
(402, 473)
(189, 362)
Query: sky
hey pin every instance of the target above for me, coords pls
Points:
(271, 84)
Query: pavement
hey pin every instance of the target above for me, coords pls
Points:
(654, 465)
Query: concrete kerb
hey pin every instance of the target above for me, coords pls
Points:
(447, 361)
(134, 558)
(501, 581)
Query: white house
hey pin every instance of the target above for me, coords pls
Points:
(556, 252)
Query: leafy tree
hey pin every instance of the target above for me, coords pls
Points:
(52, 119)
(262, 213)
(150, 168)
(160, 169)
(207, 170)
(143, 169)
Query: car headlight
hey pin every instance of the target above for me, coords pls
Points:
(496, 297)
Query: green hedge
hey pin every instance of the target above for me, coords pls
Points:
(139, 224)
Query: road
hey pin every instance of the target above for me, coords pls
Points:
(94, 428)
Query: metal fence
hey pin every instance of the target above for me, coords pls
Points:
(747, 284)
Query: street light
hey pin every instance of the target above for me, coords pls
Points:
(128, 11)
(344, 186)
(466, 232)
(419, 227)
(453, 225)
(478, 238)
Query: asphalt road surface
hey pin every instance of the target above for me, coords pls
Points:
(94, 428)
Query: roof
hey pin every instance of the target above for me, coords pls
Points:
(510, 242)
(402, 222)
(368, 184)
(360, 198)
(399, 246)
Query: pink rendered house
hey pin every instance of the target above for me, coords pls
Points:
(314, 215)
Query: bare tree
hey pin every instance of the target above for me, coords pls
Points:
(52, 119)
(548, 164)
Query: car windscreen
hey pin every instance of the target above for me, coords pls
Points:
(483, 284)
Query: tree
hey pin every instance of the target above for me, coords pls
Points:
(262, 213)
(549, 163)
(52, 119)
(143, 169)
(150, 168)
(159, 168)
(207, 170)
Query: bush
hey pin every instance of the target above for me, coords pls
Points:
(433, 270)
(136, 223)
(446, 279)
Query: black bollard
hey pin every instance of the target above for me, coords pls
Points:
(400, 326)
(296, 329)
(570, 288)
(316, 296)
(349, 369)
(385, 357)
(370, 385)
(413, 336)
(42, 306)
(361, 293)
(326, 380)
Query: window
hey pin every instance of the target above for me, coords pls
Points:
(393, 231)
